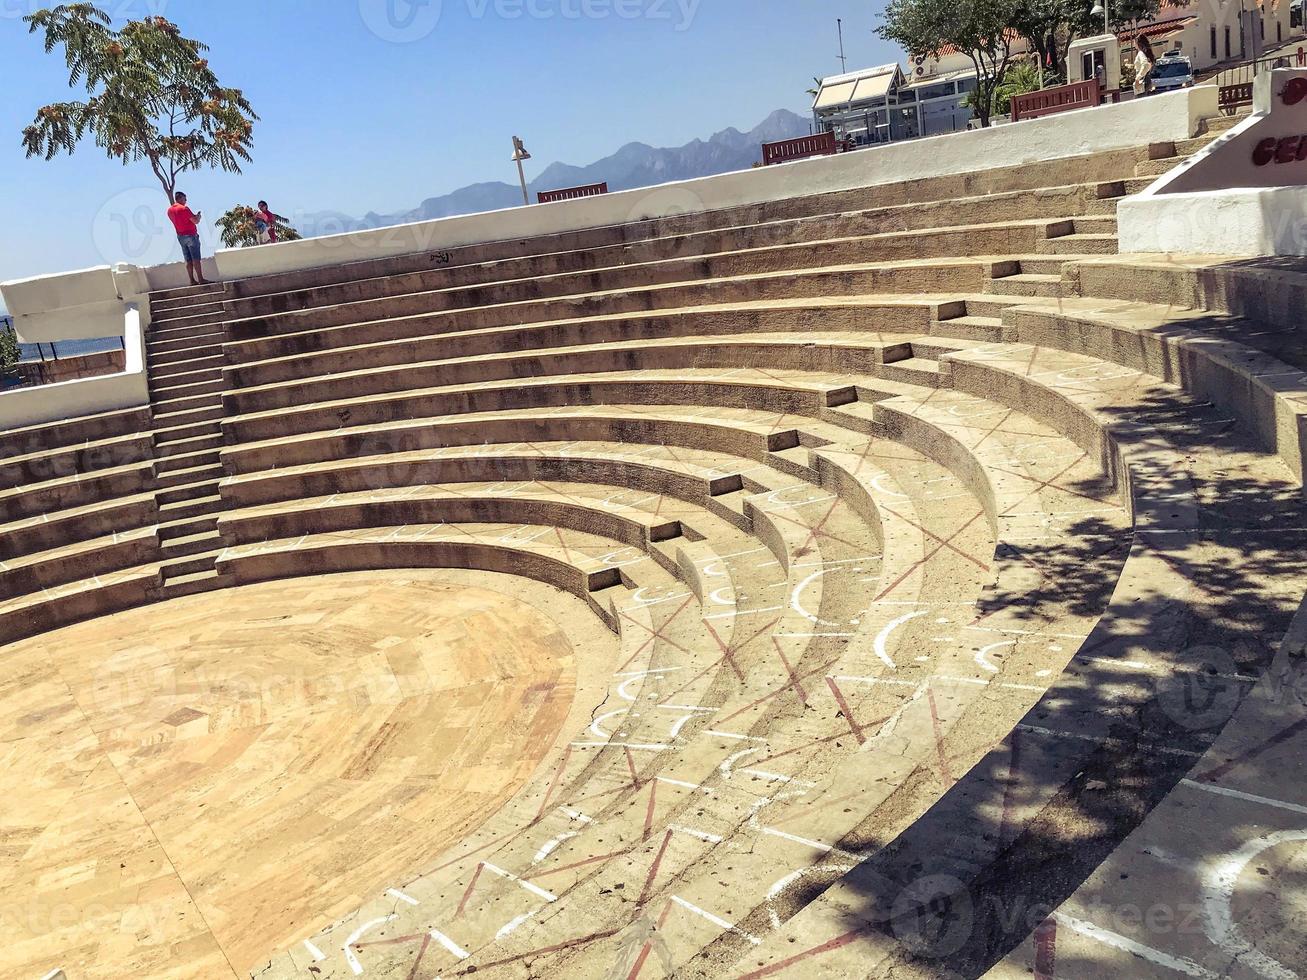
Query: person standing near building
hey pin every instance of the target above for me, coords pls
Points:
(1145, 61)
(186, 222)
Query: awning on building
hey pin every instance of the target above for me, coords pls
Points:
(875, 87)
(867, 85)
(833, 95)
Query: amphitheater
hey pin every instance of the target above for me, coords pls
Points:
(894, 581)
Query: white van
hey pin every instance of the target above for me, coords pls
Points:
(1171, 72)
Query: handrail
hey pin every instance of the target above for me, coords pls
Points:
(572, 193)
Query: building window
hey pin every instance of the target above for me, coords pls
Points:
(1227, 42)
(1278, 31)
(1213, 42)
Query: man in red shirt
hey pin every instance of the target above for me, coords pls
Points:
(188, 234)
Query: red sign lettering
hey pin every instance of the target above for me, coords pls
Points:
(1286, 149)
(1295, 90)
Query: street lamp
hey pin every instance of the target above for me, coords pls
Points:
(1100, 7)
(520, 154)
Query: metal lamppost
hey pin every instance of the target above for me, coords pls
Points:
(1100, 7)
(520, 154)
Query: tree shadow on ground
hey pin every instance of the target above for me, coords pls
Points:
(1016, 836)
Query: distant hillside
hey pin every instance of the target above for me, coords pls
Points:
(634, 165)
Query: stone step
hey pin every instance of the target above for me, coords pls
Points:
(185, 462)
(1027, 284)
(178, 586)
(185, 529)
(1081, 244)
(186, 546)
(181, 515)
(194, 368)
(181, 355)
(180, 492)
(1156, 168)
(190, 444)
(184, 477)
(211, 412)
(972, 327)
(171, 392)
(167, 434)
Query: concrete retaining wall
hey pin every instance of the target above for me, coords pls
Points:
(1174, 116)
(1220, 201)
(85, 396)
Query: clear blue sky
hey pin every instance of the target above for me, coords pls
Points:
(373, 105)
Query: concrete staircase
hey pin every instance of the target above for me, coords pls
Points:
(184, 356)
(903, 506)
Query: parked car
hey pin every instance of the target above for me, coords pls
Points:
(1171, 72)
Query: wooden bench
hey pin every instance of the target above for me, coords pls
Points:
(1231, 97)
(823, 144)
(572, 193)
(1063, 98)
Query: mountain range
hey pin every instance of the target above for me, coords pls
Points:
(634, 165)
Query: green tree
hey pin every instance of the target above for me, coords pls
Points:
(9, 352)
(150, 96)
(1022, 76)
(980, 29)
(1050, 26)
(239, 230)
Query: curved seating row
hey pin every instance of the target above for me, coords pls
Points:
(894, 551)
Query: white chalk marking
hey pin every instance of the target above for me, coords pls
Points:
(508, 927)
(984, 653)
(715, 920)
(1218, 893)
(740, 613)
(396, 893)
(1249, 797)
(317, 954)
(639, 746)
(816, 845)
(702, 835)
(1179, 964)
(533, 889)
(350, 957)
(882, 638)
(1166, 749)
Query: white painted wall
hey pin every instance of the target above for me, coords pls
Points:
(85, 396)
(83, 305)
(1174, 116)
(1219, 202)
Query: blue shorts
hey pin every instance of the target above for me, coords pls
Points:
(190, 247)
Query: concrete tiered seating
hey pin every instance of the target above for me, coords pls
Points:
(899, 503)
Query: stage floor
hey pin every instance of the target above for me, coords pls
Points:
(189, 788)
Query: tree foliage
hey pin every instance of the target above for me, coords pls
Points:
(150, 96)
(9, 350)
(1022, 76)
(1050, 26)
(980, 29)
(238, 228)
